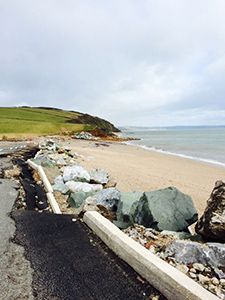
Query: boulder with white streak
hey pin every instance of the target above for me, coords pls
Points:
(76, 173)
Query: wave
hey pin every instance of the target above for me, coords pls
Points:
(150, 148)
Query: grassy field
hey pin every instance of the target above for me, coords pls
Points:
(27, 121)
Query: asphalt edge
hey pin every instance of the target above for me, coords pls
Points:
(172, 283)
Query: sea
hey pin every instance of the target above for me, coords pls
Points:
(201, 143)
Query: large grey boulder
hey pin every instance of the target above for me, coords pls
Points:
(76, 173)
(166, 209)
(62, 188)
(108, 198)
(58, 159)
(79, 186)
(127, 205)
(44, 161)
(98, 176)
(182, 235)
(58, 180)
(188, 252)
(212, 223)
(219, 251)
(76, 199)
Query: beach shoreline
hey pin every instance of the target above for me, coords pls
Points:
(135, 168)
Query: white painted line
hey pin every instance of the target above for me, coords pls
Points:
(169, 281)
(53, 203)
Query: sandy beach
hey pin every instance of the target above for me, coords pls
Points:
(135, 168)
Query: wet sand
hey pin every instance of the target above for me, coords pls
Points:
(135, 168)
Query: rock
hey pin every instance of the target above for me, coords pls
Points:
(215, 281)
(58, 180)
(192, 275)
(58, 159)
(88, 205)
(192, 270)
(85, 136)
(109, 198)
(184, 269)
(203, 279)
(111, 183)
(126, 207)
(76, 199)
(182, 235)
(79, 186)
(188, 252)
(76, 173)
(199, 267)
(44, 161)
(222, 282)
(98, 176)
(97, 187)
(120, 224)
(219, 251)
(166, 209)
(15, 172)
(62, 188)
(211, 225)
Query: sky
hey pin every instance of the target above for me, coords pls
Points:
(133, 63)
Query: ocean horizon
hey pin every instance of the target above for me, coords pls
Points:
(201, 143)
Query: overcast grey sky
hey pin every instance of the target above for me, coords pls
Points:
(147, 63)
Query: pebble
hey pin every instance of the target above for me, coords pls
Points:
(199, 267)
(151, 235)
(152, 249)
(222, 282)
(193, 270)
(203, 279)
(215, 281)
(207, 270)
(212, 288)
(184, 269)
(192, 275)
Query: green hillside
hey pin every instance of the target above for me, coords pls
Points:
(48, 121)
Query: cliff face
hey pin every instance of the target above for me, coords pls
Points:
(95, 122)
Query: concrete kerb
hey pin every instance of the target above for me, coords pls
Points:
(47, 185)
(169, 281)
(53, 203)
(32, 164)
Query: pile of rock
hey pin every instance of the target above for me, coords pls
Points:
(204, 263)
(81, 184)
(84, 136)
(75, 183)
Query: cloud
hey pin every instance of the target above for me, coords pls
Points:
(150, 62)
